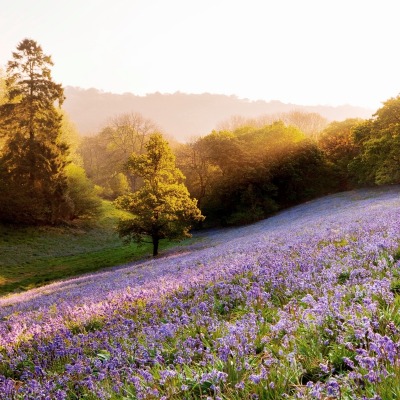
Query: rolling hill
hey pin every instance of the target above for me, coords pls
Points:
(182, 115)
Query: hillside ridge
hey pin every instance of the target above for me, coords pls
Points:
(183, 115)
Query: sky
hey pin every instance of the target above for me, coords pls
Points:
(305, 52)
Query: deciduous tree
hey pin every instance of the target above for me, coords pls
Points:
(245, 175)
(378, 161)
(2, 101)
(105, 154)
(338, 144)
(162, 207)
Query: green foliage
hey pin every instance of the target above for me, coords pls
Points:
(311, 124)
(247, 174)
(105, 154)
(91, 325)
(343, 277)
(119, 185)
(33, 158)
(378, 161)
(2, 101)
(162, 207)
(82, 193)
(35, 256)
(2, 87)
(339, 147)
(300, 174)
(69, 134)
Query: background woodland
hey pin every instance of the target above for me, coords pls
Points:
(242, 171)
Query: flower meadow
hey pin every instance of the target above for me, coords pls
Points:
(303, 305)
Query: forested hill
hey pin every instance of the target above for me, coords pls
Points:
(182, 115)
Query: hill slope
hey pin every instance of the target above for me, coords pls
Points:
(35, 256)
(302, 305)
(182, 115)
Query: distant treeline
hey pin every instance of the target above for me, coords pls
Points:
(253, 168)
(184, 115)
(243, 172)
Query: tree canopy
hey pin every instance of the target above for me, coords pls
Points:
(339, 147)
(105, 154)
(162, 208)
(243, 172)
(33, 159)
(378, 139)
(2, 86)
(246, 174)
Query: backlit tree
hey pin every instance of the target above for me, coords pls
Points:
(162, 207)
(33, 159)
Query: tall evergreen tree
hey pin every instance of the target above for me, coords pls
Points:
(33, 159)
(162, 207)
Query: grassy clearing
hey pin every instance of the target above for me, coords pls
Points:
(32, 257)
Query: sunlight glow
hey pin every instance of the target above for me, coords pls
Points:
(309, 52)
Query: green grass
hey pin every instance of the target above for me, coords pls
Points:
(32, 257)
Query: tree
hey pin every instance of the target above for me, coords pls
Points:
(105, 154)
(84, 201)
(2, 101)
(194, 160)
(69, 134)
(93, 150)
(2, 87)
(162, 207)
(34, 158)
(245, 175)
(378, 139)
(311, 124)
(125, 134)
(300, 174)
(337, 143)
(119, 185)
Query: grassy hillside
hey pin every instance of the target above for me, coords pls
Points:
(31, 257)
(304, 305)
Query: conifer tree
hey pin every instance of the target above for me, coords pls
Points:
(162, 207)
(33, 159)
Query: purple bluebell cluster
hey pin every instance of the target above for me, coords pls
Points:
(304, 305)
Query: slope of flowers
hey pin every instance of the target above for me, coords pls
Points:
(304, 305)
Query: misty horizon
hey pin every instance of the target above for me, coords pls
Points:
(184, 115)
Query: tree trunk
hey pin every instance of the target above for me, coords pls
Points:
(155, 245)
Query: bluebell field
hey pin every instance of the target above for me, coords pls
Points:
(303, 305)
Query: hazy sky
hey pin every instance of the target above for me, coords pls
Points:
(306, 52)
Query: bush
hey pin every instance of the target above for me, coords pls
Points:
(82, 193)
